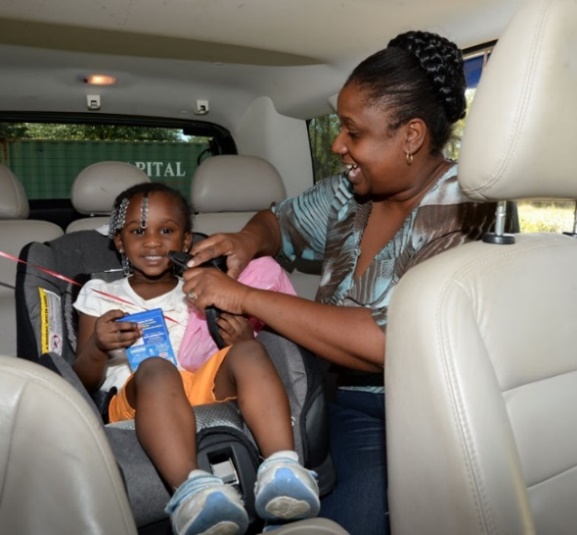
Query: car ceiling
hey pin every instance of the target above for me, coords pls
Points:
(166, 53)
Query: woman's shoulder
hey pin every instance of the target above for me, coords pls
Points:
(446, 190)
(329, 186)
(336, 183)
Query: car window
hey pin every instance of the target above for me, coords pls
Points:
(48, 156)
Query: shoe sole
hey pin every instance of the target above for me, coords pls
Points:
(219, 516)
(286, 497)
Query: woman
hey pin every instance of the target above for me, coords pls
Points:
(397, 203)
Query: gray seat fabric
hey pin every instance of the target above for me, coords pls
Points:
(481, 360)
(58, 474)
(16, 230)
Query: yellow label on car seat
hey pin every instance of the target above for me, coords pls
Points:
(50, 322)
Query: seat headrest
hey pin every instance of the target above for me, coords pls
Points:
(520, 134)
(97, 185)
(13, 200)
(231, 183)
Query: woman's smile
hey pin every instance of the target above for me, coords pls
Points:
(352, 171)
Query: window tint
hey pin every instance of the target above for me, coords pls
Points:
(48, 156)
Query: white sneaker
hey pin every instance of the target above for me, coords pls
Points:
(285, 490)
(204, 505)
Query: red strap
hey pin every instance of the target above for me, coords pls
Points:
(72, 281)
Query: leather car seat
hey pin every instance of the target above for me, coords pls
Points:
(16, 230)
(227, 190)
(95, 188)
(57, 472)
(481, 359)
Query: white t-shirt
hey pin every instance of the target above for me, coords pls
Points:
(92, 303)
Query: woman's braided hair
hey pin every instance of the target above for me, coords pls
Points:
(419, 74)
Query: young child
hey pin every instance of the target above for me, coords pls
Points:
(149, 220)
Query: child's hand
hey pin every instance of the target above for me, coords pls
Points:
(110, 334)
(234, 328)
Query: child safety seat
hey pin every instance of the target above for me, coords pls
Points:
(46, 333)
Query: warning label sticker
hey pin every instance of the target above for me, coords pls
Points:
(50, 322)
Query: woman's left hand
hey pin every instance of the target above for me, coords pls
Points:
(206, 287)
(234, 328)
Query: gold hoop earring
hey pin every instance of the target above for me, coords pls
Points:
(409, 157)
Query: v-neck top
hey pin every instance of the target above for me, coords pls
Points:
(326, 224)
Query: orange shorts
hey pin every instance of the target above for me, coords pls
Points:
(198, 386)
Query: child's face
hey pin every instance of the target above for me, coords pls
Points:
(146, 248)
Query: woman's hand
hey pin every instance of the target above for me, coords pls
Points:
(261, 236)
(236, 247)
(111, 334)
(206, 287)
(234, 329)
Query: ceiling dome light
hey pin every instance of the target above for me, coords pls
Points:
(99, 79)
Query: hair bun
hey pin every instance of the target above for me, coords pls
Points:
(443, 63)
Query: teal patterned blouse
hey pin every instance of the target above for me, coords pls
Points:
(326, 222)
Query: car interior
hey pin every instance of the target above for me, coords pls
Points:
(47, 332)
(480, 346)
(234, 105)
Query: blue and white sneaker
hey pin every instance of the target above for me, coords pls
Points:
(285, 490)
(204, 505)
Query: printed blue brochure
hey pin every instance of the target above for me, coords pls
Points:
(154, 341)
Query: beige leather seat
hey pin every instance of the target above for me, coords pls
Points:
(57, 472)
(481, 358)
(227, 190)
(96, 187)
(16, 230)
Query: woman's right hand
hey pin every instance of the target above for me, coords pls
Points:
(111, 334)
(238, 248)
(261, 236)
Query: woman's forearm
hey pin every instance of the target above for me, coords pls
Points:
(264, 231)
(347, 336)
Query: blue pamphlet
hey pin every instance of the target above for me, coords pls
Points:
(154, 341)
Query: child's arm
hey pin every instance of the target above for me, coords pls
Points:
(234, 328)
(96, 337)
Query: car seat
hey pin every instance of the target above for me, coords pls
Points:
(481, 360)
(46, 333)
(58, 473)
(16, 230)
(71, 484)
(227, 190)
(93, 191)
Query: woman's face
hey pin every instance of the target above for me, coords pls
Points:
(374, 154)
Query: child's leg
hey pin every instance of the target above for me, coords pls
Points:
(165, 423)
(248, 374)
(284, 490)
(166, 429)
